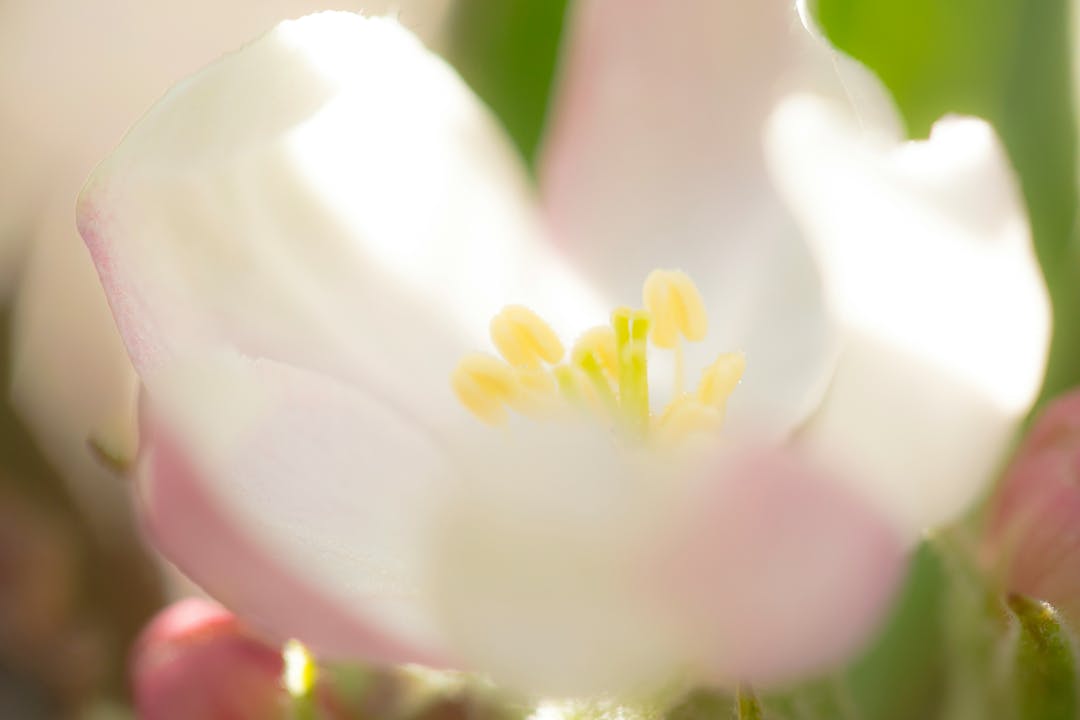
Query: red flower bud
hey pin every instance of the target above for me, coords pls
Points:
(195, 660)
(1034, 532)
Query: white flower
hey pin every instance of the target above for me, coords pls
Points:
(302, 242)
(74, 75)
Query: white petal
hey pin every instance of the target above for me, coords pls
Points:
(655, 160)
(567, 563)
(104, 62)
(297, 501)
(827, 72)
(537, 562)
(298, 201)
(929, 265)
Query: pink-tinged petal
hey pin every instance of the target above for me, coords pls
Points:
(926, 253)
(299, 509)
(103, 62)
(777, 570)
(297, 202)
(1033, 538)
(195, 660)
(567, 564)
(655, 159)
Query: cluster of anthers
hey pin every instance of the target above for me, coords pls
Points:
(606, 372)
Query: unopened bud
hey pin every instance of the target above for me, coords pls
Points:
(195, 660)
(1033, 536)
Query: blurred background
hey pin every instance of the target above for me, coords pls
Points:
(76, 583)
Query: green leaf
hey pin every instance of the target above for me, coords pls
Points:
(507, 51)
(899, 677)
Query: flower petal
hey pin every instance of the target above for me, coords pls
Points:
(104, 62)
(568, 564)
(298, 247)
(294, 500)
(927, 257)
(655, 160)
(295, 201)
(777, 570)
(535, 563)
(1032, 539)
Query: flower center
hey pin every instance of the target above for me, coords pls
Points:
(607, 372)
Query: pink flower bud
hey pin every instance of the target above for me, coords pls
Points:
(195, 660)
(1034, 529)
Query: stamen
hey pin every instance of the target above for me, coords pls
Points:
(686, 416)
(600, 343)
(580, 390)
(524, 339)
(719, 379)
(600, 384)
(536, 391)
(535, 381)
(485, 385)
(607, 373)
(631, 340)
(676, 308)
(571, 384)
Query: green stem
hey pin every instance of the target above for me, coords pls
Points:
(977, 634)
(747, 706)
(303, 708)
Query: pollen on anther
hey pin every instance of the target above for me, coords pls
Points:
(524, 339)
(486, 386)
(607, 373)
(598, 342)
(718, 380)
(676, 307)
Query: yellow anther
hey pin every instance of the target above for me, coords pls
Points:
(676, 308)
(607, 372)
(486, 385)
(524, 339)
(533, 380)
(631, 340)
(684, 417)
(600, 343)
(719, 379)
(536, 391)
(579, 389)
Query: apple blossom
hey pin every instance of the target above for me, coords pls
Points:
(74, 75)
(308, 246)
